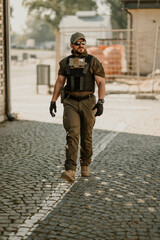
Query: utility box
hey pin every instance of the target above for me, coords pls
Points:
(43, 75)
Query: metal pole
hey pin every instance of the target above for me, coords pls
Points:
(155, 57)
(137, 52)
(6, 13)
(129, 40)
(137, 57)
(49, 78)
(37, 79)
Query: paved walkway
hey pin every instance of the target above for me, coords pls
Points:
(121, 198)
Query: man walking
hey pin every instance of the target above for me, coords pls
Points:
(79, 72)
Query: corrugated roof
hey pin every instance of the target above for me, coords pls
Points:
(142, 4)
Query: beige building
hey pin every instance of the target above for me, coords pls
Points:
(4, 62)
(144, 18)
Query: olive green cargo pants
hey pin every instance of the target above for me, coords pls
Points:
(78, 121)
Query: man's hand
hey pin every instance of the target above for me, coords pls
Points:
(53, 107)
(99, 107)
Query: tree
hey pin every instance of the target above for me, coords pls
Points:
(118, 15)
(39, 30)
(54, 10)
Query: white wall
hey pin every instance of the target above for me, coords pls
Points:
(145, 23)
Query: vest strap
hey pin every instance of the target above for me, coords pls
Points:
(85, 70)
(72, 83)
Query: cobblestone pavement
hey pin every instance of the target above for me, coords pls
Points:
(120, 200)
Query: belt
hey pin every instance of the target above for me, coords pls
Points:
(80, 98)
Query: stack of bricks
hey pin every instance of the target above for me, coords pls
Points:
(110, 57)
(2, 76)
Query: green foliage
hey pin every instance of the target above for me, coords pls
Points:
(54, 10)
(118, 15)
(18, 39)
(37, 29)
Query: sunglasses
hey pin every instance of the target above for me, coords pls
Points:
(79, 43)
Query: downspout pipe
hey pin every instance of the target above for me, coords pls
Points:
(6, 7)
(131, 18)
(131, 35)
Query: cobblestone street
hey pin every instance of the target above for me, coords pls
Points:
(121, 198)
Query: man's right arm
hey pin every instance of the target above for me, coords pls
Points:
(57, 88)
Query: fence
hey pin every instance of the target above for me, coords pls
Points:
(116, 49)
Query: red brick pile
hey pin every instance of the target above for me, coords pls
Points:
(110, 56)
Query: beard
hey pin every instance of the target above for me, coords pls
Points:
(80, 50)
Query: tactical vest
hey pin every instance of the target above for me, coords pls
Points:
(79, 77)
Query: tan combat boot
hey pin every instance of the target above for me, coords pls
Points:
(85, 171)
(68, 175)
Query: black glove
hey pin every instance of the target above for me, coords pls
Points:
(99, 106)
(53, 107)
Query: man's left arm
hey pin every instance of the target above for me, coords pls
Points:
(100, 81)
(101, 93)
(99, 75)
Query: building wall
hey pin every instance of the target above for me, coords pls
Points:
(2, 76)
(145, 22)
